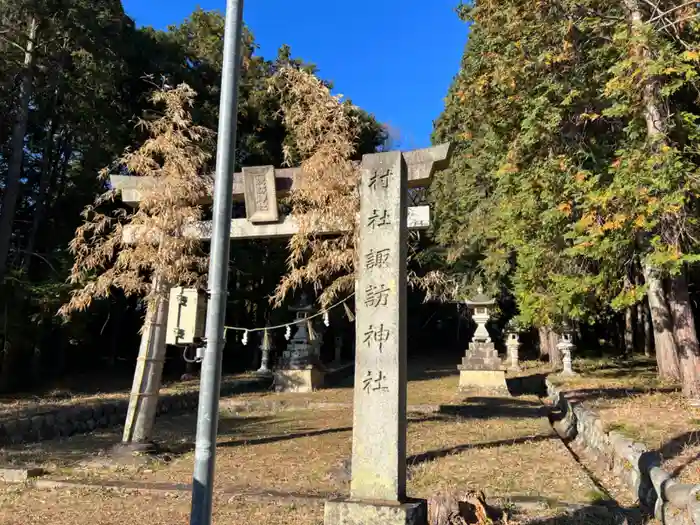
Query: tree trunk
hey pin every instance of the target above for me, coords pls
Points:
(556, 358)
(685, 335)
(40, 199)
(14, 171)
(648, 331)
(656, 121)
(36, 366)
(548, 346)
(141, 414)
(630, 315)
(543, 333)
(662, 321)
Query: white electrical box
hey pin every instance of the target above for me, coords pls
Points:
(187, 311)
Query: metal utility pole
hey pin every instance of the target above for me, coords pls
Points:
(208, 411)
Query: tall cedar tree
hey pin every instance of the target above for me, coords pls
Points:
(560, 189)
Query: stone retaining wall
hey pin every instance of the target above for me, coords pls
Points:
(639, 468)
(70, 420)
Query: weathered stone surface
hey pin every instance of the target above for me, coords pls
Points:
(421, 165)
(340, 512)
(85, 413)
(486, 379)
(47, 432)
(38, 423)
(307, 380)
(260, 194)
(632, 463)
(379, 425)
(23, 425)
(19, 475)
(678, 494)
(659, 477)
(11, 428)
(70, 420)
(49, 420)
(482, 356)
(694, 506)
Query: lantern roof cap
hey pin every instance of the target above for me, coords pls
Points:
(480, 299)
(304, 305)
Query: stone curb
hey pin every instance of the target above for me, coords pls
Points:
(633, 463)
(19, 475)
(81, 419)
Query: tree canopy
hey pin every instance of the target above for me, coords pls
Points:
(576, 167)
(76, 81)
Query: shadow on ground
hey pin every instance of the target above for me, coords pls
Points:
(594, 515)
(176, 434)
(475, 407)
(432, 455)
(589, 394)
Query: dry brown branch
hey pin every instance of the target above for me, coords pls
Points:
(175, 155)
(324, 134)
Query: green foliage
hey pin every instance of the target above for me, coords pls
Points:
(94, 73)
(555, 191)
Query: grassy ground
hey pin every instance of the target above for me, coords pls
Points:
(99, 507)
(503, 446)
(629, 399)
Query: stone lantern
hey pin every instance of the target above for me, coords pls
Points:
(481, 305)
(513, 344)
(481, 367)
(299, 369)
(566, 345)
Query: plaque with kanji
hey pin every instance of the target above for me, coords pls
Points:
(260, 194)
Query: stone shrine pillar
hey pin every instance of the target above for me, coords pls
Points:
(481, 367)
(378, 468)
(299, 369)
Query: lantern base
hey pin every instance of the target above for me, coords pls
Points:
(482, 379)
(301, 381)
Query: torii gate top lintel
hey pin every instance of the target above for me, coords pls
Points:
(420, 163)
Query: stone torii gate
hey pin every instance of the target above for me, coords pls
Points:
(261, 187)
(378, 485)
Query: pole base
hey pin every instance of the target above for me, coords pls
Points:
(135, 449)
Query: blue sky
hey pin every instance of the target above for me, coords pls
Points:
(395, 59)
